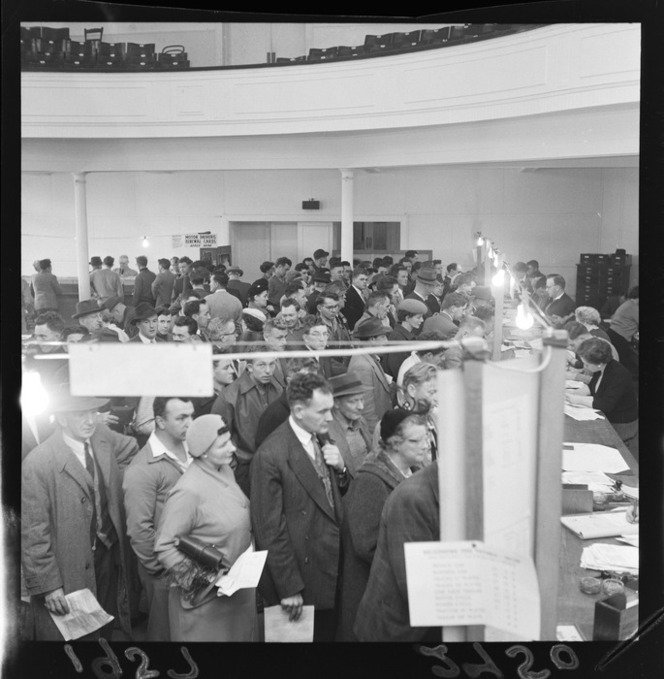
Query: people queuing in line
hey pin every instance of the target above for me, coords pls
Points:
(328, 463)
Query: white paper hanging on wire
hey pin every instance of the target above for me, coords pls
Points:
(133, 369)
(177, 241)
(471, 583)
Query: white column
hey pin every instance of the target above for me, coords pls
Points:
(82, 257)
(347, 179)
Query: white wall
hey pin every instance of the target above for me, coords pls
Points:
(551, 215)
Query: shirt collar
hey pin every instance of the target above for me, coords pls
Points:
(158, 448)
(303, 435)
(77, 446)
(145, 340)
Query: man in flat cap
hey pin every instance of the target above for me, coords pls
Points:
(320, 259)
(349, 429)
(377, 386)
(73, 529)
(410, 315)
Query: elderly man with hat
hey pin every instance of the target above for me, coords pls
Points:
(122, 314)
(146, 320)
(105, 282)
(367, 368)
(349, 429)
(89, 315)
(73, 530)
(410, 316)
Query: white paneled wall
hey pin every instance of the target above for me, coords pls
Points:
(551, 215)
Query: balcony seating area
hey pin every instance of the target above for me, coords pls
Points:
(45, 48)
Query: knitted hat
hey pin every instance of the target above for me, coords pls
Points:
(203, 432)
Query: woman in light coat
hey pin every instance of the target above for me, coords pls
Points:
(207, 504)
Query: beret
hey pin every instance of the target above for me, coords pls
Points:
(413, 306)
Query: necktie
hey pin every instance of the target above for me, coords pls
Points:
(322, 470)
(89, 462)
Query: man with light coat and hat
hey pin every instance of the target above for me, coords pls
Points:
(73, 529)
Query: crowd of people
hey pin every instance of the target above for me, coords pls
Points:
(327, 462)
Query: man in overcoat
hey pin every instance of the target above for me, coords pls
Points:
(73, 528)
(297, 480)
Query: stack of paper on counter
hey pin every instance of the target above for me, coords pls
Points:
(582, 413)
(594, 480)
(600, 524)
(592, 457)
(618, 558)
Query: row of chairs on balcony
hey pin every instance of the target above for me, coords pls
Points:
(52, 48)
(391, 43)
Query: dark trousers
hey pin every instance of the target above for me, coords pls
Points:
(156, 592)
(107, 574)
(325, 625)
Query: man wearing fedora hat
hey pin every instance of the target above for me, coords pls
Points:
(122, 314)
(378, 389)
(349, 429)
(73, 528)
(105, 282)
(146, 320)
(425, 283)
(89, 315)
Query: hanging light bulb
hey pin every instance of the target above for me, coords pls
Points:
(34, 398)
(146, 242)
(524, 319)
(498, 278)
(480, 241)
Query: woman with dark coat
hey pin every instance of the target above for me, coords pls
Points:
(402, 448)
(610, 389)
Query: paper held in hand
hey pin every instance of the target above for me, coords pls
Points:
(279, 629)
(472, 583)
(85, 615)
(244, 574)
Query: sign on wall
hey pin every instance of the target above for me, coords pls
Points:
(196, 240)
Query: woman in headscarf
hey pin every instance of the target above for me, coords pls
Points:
(207, 505)
(402, 448)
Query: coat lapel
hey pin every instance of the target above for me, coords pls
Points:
(303, 468)
(379, 373)
(68, 464)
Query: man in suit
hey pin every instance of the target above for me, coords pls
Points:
(315, 335)
(162, 285)
(367, 368)
(356, 297)
(297, 480)
(198, 310)
(410, 514)
(220, 302)
(143, 283)
(235, 274)
(277, 283)
(561, 306)
(378, 306)
(146, 320)
(72, 517)
(451, 313)
(124, 270)
(147, 481)
(425, 283)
